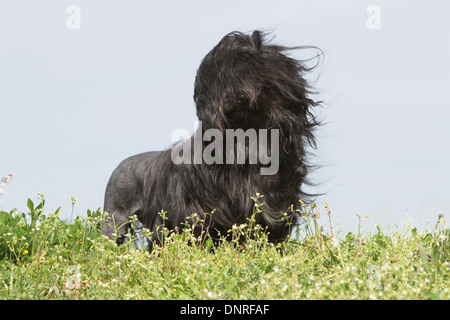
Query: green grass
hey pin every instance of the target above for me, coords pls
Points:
(44, 257)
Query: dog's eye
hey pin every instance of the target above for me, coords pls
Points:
(242, 100)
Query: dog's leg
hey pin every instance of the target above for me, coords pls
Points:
(124, 196)
(116, 225)
(140, 242)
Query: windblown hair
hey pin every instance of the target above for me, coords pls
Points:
(244, 82)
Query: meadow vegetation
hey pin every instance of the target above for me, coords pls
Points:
(44, 257)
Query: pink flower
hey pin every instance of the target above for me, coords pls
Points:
(7, 179)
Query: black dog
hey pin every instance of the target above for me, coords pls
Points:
(244, 83)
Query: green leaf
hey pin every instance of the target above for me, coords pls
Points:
(57, 212)
(436, 254)
(423, 256)
(40, 205)
(269, 267)
(30, 204)
(334, 259)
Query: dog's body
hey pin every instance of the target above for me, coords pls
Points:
(243, 83)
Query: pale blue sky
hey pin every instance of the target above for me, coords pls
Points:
(74, 103)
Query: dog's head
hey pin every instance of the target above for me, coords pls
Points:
(245, 82)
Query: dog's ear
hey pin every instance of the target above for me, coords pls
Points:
(257, 38)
